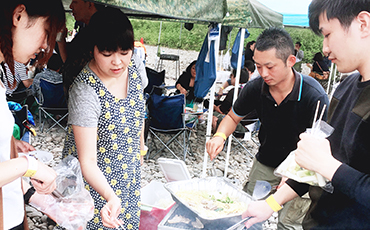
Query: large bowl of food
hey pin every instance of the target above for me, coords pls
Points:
(211, 198)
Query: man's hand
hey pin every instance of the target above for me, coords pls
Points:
(23, 147)
(315, 154)
(214, 146)
(258, 211)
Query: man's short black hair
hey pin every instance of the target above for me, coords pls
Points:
(276, 38)
(298, 43)
(344, 10)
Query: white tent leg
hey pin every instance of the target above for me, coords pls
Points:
(236, 89)
(210, 109)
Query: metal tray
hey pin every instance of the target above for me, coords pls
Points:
(211, 184)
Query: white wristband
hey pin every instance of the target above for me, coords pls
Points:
(32, 166)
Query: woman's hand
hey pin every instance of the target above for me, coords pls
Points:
(109, 213)
(217, 109)
(44, 179)
(23, 147)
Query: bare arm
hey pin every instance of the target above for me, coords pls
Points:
(181, 89)
(27, 83)
(142, 142)
(86, 147)
(227, 126)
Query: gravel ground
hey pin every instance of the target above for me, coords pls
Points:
(239, 163)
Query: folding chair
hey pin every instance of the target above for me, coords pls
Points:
(252, 126)
(155, 79)
(167, 116)
(52, 102)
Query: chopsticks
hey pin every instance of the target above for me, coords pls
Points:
(317, 126)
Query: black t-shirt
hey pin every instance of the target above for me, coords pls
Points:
(348, 207)
(280, 124)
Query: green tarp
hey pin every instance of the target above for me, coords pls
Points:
(237, 13)
(181, 10)
(251, 13)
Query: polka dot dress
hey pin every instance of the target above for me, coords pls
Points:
(118, 146)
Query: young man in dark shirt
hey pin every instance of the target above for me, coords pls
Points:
(285, 102)
(344, 157)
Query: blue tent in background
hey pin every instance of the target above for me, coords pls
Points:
(295, 13)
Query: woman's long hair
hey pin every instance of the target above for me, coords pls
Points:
(51, 9)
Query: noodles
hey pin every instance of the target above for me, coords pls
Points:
(212, 204)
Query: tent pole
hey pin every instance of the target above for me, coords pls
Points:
(178, 48)
(236, 89)
(159, 39)
(331, 68)
(333, 72)
(210, 109)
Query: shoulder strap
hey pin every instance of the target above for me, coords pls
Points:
(319, 66)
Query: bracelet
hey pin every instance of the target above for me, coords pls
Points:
(274, 205)
(143, 152)
(28, 194)
(220, 135)
(222, 87)
(32, 166)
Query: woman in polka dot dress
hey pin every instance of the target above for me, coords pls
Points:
(106, 113)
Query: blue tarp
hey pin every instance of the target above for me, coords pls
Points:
(205, 68)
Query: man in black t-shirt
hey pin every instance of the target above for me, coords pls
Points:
(285, 102)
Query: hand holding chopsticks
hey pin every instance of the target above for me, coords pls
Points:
(314, 153)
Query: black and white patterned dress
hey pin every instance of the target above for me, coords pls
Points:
(118, 145)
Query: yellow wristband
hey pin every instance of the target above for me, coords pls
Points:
(220, 135)
(32, 166)
(274, 205)
(222, 87)
(143, 152)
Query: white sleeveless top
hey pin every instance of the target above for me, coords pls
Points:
(12, 193)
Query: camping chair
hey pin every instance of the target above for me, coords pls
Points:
(252, 126)
(154, 79)
(52, 102)
(167, 117)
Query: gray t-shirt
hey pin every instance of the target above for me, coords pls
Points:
(83, 104)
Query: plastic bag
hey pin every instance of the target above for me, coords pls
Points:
(71, 205)
(289, 168)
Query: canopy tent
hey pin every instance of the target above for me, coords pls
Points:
(239, 13)
(181, 10)
(251, 13)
